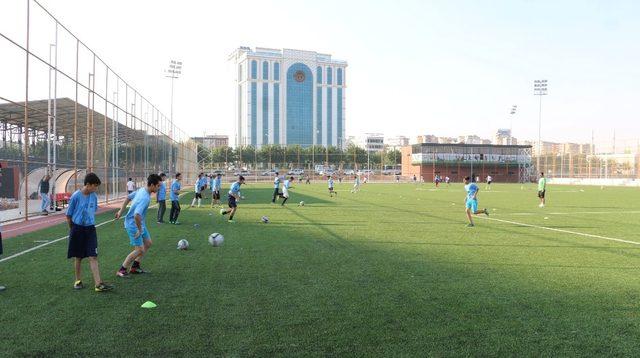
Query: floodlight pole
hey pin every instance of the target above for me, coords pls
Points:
(174, 71)
(539, 89)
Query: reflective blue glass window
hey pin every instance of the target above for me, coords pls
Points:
(254, 70)
(319, 75)
(329, 76)
(265, 70)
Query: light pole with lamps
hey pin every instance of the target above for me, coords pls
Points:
(174, 71)
(539, 89)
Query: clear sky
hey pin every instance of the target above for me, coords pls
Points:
(415, 67)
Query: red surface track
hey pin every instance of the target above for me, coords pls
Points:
(43, 222)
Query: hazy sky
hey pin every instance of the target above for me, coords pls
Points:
(433, 67)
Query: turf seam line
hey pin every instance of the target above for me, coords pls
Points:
(593, 236)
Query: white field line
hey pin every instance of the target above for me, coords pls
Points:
(591, 236)
(570, 213)
(18, 254)
(45, 244)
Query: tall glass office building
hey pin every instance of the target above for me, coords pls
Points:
(289, 97)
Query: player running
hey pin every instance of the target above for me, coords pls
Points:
(471, 201)
(356, 184)
(285, 189)
(136, 227)
(201, 185)
(542, 189)
(215, 190)
(234, 197)
(330, 184)
(489, 181)
(276, 188)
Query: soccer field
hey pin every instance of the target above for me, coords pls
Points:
(392, 270)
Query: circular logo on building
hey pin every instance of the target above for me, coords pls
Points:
(299, 76)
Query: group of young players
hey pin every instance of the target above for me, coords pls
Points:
(83, 205)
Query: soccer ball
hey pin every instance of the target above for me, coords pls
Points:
(301, 203)
(183, 244)
(265, 219)
(216, 239)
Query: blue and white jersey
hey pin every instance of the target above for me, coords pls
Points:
(471, 189)
(330, 182)
(276, 182)
(357, 180)
(235, 189)
(162, 192)
(82, 208)
(139, 205)
(201, 182)
(175, 189)
(212, 181)
(287, 184)
(217, 183)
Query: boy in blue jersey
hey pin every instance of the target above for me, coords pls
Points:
(161, 198)
(330, 184)
(234, 197)
(83, 239)
(215, 190)
(285, 189)
(471, 200)
(174, 195)
(201, 185)
(136, 227)
(276, 188)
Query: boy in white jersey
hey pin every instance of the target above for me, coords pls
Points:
(285, 189)
(330, 184)
(201, 185)
(356, 184)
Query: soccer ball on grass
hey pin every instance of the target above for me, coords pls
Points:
(216, 239)
(183, 244)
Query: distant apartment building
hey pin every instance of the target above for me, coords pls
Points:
(213, 141)
(504, 137)
(372, 142)
(397, 142)
(426, 138)
(553, 148)
(470, 139)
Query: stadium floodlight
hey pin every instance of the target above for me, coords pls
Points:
(174, 71)
(539, 89)
(512, 113)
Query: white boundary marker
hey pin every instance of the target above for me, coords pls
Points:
(591, 236)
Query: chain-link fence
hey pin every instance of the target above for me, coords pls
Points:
(65, 112)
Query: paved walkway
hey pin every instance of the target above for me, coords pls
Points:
(43, 222)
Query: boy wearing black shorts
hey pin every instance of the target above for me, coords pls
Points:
(234, 197)
(83, 239)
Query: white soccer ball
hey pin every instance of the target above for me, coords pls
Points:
(216, 239)
(302, 203)
(183, 244)
(265, 219)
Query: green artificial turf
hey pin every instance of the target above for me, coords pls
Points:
(392, 270)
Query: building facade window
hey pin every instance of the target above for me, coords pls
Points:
(299, 105)
(340, 119)
(254, 112)
(265, 113)
(329, 116)
(254, 70)
(265, 70)
(319, 75)
(319, 106)
(276, 71)
(339, 76)
(240, 76)
(276, 112)
(329, 76)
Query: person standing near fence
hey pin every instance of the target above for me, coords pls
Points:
(276, 188)
(44, 194)
(131, 186)
(174, 195)
(542, 190)
(161, 198)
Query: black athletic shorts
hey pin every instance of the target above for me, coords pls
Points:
(216, 194)
(541, 194)
(232, 202)
(198, 195)
(83, 242)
